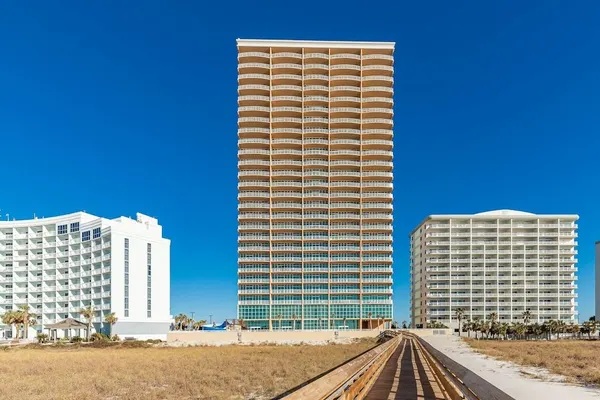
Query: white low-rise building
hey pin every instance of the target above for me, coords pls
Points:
(504, 262)
(61, 264)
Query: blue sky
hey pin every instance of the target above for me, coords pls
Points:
(115, 108)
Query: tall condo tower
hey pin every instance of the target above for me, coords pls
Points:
(315, 141)
(509, 263)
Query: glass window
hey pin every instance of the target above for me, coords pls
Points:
(85, 236)
(96, 233)
(74, 227)
(62, 229)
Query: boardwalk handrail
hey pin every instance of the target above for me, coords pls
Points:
(350, 379)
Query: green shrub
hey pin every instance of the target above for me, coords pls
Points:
(42, 338)
(115, 338)
(76, 339)
(154, 341)
(99, 337)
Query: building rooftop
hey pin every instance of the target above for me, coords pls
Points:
(314, 44)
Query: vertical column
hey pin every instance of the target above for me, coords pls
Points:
(270, 314)
(360, 180)
(303, 209)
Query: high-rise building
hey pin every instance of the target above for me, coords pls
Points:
(315, 140)
(59, 265)
(597, 303)
(504, 262)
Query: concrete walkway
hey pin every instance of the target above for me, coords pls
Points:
(515, 380)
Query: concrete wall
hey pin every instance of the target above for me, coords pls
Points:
(230, 337)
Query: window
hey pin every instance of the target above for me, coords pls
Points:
(62, 229)
(74, 227)
(149, 280)
(96, 233)
(85, 236)
(126, 276)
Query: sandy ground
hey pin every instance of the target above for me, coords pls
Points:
(257, 342)
(516, 381)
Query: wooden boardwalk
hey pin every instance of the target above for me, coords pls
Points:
(407, 376)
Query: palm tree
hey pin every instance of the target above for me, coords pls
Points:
(110, 319)
(520, 329)
(279, 318)
(12, 318)
(88, 313)
(320, 323)
(378, 317)
(333, 320)
(459, 316)
(404, 325)
(526, 317)
(294, 317)
(179, 320)
(476, 324)
(344, 319)
(370, 314)
(25, 319)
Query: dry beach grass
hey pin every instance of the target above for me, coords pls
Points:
(226, 372)
(578, 360)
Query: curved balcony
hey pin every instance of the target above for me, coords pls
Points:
(286, 54)
(378, 174)
(344, 152)
(287, 205)
(377, 69)
(341, 112)
(287, 173)
(316, 55)
(253, 54)
(286, 162)
(315, 100)
(377, 80)
(253, 194)
(260, 154)
(386, 57)
(252, 142)
(376, 206)
(286, 79)
(345, 80)
(345, 56)
(316, 79)
(276, 131)
(253, 216)
(345, 131)
(282, 101)
(295, 142)
(377, 91)
(316, 68)
(312, 183)
(377, 195)
(378, 144)
(344, 184)
(283, 194)
(341, 143)
(286, 111)
(253, 130)
(315, 142)
(377, 123)
(253, 67)
(344, 90)
(286, 184)
(286, 90)
(315, 90)
(315, 111)
(316, 194)
(249, 205)
(255, 100)
(276, 152)
(286, 216)
(377, 154)
(286, 122)
(282, 68)
(339, 69)
(348, 195)
(345, 122)
(253, 90)
(253, 163)
(253, 122)
(253, 173)
(253, 79)
(311, 121)
(316, 151)
(377, 112)
(344, 163)
(314, 163)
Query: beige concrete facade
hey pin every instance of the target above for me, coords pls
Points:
(315, 157)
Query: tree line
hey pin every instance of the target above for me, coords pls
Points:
(493, 329)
